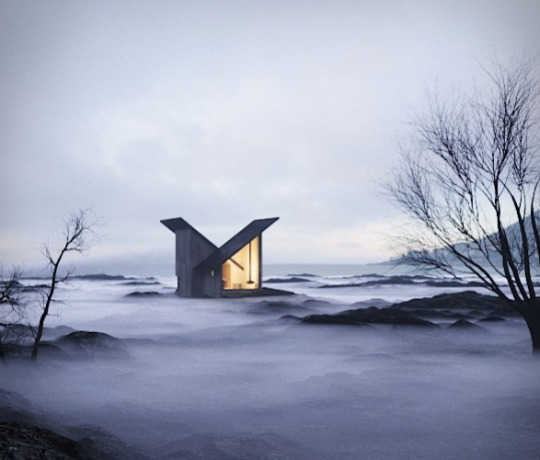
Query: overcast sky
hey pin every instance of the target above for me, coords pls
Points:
(222, 112)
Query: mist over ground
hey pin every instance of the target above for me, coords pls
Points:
(245, 378)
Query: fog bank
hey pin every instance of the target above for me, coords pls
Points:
(235, 379)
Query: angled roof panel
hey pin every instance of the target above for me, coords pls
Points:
(176, 224)
(180, 224)
(236, 243)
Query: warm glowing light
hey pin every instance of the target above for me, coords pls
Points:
(243, 269)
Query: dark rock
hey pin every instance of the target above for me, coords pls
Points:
(290, 318)
(466, 300)
(371, 275)
(492, 319)
(26, 433)
(129, 421)
(392, 280)
(97, 443)
(280, 307)
(453, 283)
(23, 441)
(143, 294)
(140, 283)
(92, 345)
(10, 414)
(19, 330)
(463, 324)
(293, 279)
(51, 333)
(376, 302)
(15, 408)
(13, 400)
(101, 277)
(34, 287)
(51, 351)
(341, 285)
(267, 446)
(46, 350)
(338, 319)
(372, 315)
(315, 303)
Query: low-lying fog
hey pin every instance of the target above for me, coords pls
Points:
(236, 375)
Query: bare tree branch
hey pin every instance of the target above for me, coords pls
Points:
(78, 229)
(469, 180)
(12, 309)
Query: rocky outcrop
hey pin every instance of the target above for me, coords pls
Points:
(461, 308)
(466, 300)
(144, 294)
(23, 441)
(277, 306)
(77, 344)
(464, 325)
(292, 279)
(86, 344)
(372, 315)
(467, 305)
(403, 280)
(266, 446)
(29, 433)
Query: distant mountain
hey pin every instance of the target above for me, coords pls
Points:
(513, 233)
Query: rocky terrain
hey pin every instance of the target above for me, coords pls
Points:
(131, 428)
(457, 310)
(26, 432)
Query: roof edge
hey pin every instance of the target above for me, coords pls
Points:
(178, 223)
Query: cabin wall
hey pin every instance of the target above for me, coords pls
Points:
(183, 272)
(207, 283)
(191, 249)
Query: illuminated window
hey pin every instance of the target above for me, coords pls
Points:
(242, 270)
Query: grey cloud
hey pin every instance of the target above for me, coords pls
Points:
(224, 112)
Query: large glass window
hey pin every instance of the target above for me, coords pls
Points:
(242, 270)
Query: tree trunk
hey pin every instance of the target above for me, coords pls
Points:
(44, 314)
(534, 329)
(532, 318)
(39, 333)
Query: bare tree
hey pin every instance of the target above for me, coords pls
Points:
(470, 184)
(12, 310)
(77, 229)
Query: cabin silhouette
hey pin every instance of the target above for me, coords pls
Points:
(204, 270)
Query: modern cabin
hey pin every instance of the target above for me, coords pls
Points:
(204, 270)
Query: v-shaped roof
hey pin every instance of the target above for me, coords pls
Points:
(237, 242)
(231, 247)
